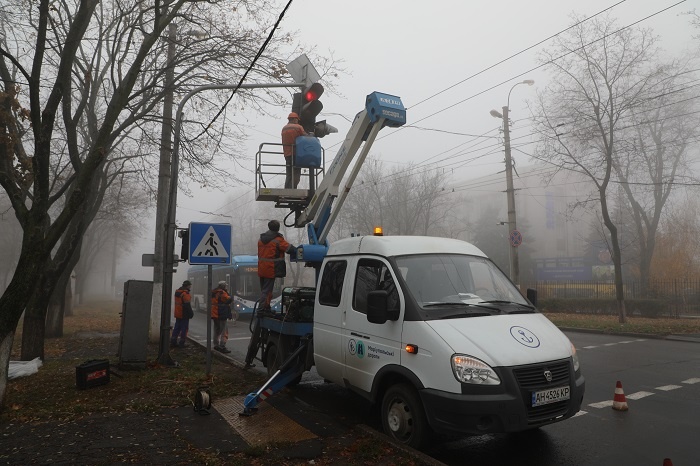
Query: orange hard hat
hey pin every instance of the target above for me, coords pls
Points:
(292, 115)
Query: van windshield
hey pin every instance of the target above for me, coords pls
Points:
(449, 279)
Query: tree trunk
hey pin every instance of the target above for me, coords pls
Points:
(34, 326)
(57, 307)
(68, 310)
(6, 339)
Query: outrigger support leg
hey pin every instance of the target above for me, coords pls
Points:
(288, 371)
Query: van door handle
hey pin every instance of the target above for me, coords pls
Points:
(358, 335)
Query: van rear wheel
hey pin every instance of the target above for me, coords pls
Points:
(403, 416)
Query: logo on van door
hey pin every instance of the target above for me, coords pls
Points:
(524, 336)
(356, 348)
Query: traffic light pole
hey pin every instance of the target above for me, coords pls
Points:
(164, 357)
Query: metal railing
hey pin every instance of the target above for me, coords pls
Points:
(679, 296)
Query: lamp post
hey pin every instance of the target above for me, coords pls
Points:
(170, 227)
(510, 192)
(164, 175)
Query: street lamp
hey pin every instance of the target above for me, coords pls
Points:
(510, 192)
(168, 252)
(164, 175)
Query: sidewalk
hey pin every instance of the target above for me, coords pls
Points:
(284, 431)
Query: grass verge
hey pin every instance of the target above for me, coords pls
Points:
(610, 324)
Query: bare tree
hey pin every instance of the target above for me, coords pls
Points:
(81, 81)
(655, 154)
(404, 201)
(600, 74)
(677, 252)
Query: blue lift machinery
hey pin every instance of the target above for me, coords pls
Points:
(284, 340)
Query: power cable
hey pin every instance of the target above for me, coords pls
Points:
(532, 69)
(515, 54)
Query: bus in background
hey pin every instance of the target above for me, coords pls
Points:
(243, 285)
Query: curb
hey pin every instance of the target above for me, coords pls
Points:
(419, 456)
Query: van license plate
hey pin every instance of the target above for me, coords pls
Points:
(552, 395)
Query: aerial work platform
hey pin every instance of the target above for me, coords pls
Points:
(271, 172)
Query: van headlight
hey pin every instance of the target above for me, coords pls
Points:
(574, 356)
(468, 369)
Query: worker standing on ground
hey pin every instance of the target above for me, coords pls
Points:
(183, 314)
(220, 314)
(290, 132)
(271, 265)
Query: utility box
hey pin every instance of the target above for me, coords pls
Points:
(136, 314)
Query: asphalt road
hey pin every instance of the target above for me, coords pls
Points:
(660, 379)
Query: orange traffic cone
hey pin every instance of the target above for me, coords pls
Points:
(619, 401)
(668, 462)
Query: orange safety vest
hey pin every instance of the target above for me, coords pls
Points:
(220, 304)
(182, 295)
(290, 133)
(271, 258)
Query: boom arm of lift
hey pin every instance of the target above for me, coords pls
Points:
(380, 110)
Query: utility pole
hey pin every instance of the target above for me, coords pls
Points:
(163, 188)
(510, 193)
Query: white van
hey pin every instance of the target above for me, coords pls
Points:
(431, 329)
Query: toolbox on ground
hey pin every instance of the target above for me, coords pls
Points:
(92, 373)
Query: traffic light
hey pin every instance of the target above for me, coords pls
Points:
(310, 107)
(322, 128)
(185, 249)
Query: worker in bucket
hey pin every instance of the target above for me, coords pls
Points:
(290, 132)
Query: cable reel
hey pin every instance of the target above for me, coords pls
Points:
(202, 400)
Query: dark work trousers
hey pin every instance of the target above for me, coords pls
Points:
(220, 332)
(180, 330)
(266, 287)
(296, 172)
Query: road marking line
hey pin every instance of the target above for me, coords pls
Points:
(692, 381)
(590, 347)
(602, 404)
(626, 341)
(610, 344)
(639, 395)
(668, 388)
(640, 339)
(580, 413)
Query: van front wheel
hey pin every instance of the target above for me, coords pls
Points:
(403, 417)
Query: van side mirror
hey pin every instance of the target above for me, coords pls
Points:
(377, 306)
(532, 296)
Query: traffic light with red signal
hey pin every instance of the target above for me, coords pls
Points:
(307, 105)
(311, 106)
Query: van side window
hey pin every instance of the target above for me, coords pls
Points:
(331, 286)
(374, 275)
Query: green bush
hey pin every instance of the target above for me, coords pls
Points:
(638, 307)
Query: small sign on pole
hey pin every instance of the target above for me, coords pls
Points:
(302, 71)
(516, 238)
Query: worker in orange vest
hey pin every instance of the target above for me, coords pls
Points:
(290, 132)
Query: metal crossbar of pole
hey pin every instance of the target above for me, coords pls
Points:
(169, 249)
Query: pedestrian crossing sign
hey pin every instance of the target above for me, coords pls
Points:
(210, 243)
